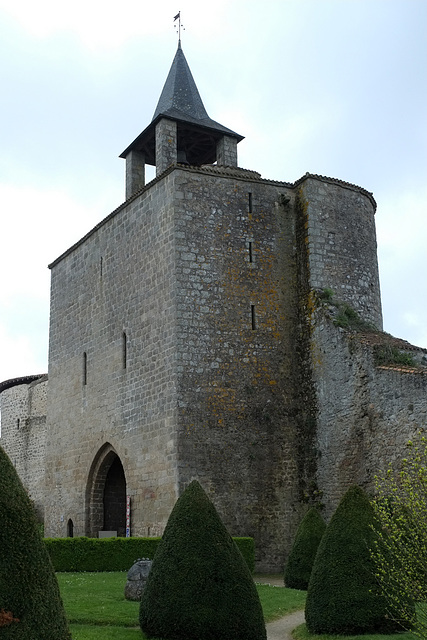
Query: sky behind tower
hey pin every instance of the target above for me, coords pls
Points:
(333, 87)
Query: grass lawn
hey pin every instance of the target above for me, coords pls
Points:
(96, 606)
(301, 633)
(97, 609)
(97, 599)
(87, 632)
(278, 602)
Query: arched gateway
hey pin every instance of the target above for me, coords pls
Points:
(106, 494)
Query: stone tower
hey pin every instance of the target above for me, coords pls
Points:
(179, 333)
(180, 131)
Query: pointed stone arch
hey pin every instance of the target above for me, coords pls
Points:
(106, 493)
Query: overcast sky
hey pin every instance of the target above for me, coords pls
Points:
(333, 87)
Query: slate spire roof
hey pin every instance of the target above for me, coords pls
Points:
(180, 98)
(180, 93)
(180, 101)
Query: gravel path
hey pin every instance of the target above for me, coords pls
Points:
(280, 629)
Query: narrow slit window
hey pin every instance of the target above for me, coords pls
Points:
(18, 423)
(253, 317)
(100, 266)
(250, 202)
(84, 368)
(251, 257)
(124, 350)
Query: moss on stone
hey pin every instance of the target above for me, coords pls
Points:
(385, 354)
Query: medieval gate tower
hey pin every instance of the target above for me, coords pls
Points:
(180, 335)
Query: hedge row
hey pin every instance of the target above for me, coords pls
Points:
(116, 554)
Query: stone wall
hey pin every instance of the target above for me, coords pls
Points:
(199, 273)
(112, 365)
(23, 435)
(236, 310)
(366, 413)
(341, 243)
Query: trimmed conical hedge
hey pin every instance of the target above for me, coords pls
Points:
(301, 558)
(342, 593)
(199, 585)
(30, 602)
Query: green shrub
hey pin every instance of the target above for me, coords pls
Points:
(342, 595)
(30, 603)
(346, 317)
(115, 554)
(246, 547)
(301, 558)
(199, 585)
(326, 294)
(386, 354)
(99, 554)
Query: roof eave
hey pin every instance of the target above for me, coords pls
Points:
(150, 131)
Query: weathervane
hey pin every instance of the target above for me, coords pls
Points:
(178, 28)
